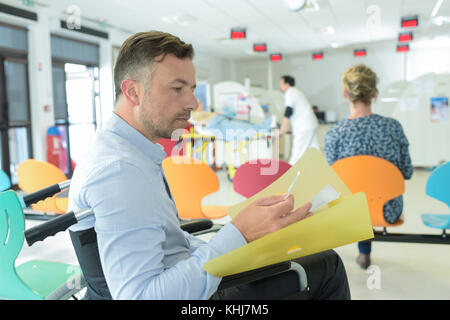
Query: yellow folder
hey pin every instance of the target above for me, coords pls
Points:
(343, 221)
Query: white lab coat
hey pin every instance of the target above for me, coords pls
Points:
(303, 122)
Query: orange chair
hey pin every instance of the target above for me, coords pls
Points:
(379, 179)
(34, 175)
(190, 180)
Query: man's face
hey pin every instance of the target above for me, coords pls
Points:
(283, 85)
(169, 100)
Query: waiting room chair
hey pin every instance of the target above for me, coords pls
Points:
(190, 180)
(378, 178)
(438, 187)
(254, 176)
(35, 279)
(177, 146)
(169, 145)
(34, 175)
(5, 182)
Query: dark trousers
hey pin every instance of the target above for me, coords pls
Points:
(86, 249)
(365, 247)
(327, 280)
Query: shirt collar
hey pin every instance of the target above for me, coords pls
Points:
(119, 126)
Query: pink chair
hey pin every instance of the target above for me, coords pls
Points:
(253, 176)
(168, 146)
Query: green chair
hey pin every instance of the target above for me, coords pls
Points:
(34, 279)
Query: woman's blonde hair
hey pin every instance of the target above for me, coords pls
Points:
(360, 83)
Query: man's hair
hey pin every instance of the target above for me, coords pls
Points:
(289, 80)
(141, 49)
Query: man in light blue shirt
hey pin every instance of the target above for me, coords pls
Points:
(144, 253)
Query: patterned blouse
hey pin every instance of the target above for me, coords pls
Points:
(372, 135)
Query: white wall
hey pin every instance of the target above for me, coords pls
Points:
(209, 69)
(428, 56)
(321, 80)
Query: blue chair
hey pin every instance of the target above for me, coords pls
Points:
(5, 182)
(438, 187)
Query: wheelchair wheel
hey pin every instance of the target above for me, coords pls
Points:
(65, 292)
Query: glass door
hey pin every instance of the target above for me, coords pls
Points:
(15, 124)
(76, 93)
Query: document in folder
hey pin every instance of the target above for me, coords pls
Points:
(337, 223)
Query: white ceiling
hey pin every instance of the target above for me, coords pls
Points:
(207, 23)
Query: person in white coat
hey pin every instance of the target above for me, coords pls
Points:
(300, 116)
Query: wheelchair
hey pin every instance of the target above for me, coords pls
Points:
(195, 227)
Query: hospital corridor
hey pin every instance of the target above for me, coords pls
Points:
(201, 153)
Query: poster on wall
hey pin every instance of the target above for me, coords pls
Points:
(439, 109)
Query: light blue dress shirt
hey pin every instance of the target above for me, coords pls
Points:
(144, 252)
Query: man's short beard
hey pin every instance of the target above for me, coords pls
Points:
(153, 129)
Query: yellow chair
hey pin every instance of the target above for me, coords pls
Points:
(190, 180)
(378, 178)
(34, 175)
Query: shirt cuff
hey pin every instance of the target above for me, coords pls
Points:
(227, 239)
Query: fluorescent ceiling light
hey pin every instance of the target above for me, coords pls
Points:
(390, 99)
(181, 19)
(436, 7)
(294, 5)
(441, 20)
(336, 45)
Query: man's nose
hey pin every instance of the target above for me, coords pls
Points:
(192, 103)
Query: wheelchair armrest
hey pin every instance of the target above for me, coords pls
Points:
(266, 272)
(195, 225)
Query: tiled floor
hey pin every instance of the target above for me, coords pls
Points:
(400, 270)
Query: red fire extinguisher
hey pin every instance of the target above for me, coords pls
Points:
(54, 146)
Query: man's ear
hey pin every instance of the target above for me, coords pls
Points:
(345, 94)
(130, 90)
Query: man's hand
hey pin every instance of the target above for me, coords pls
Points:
(268, 215)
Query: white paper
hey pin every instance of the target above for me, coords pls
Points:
(325, 196)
